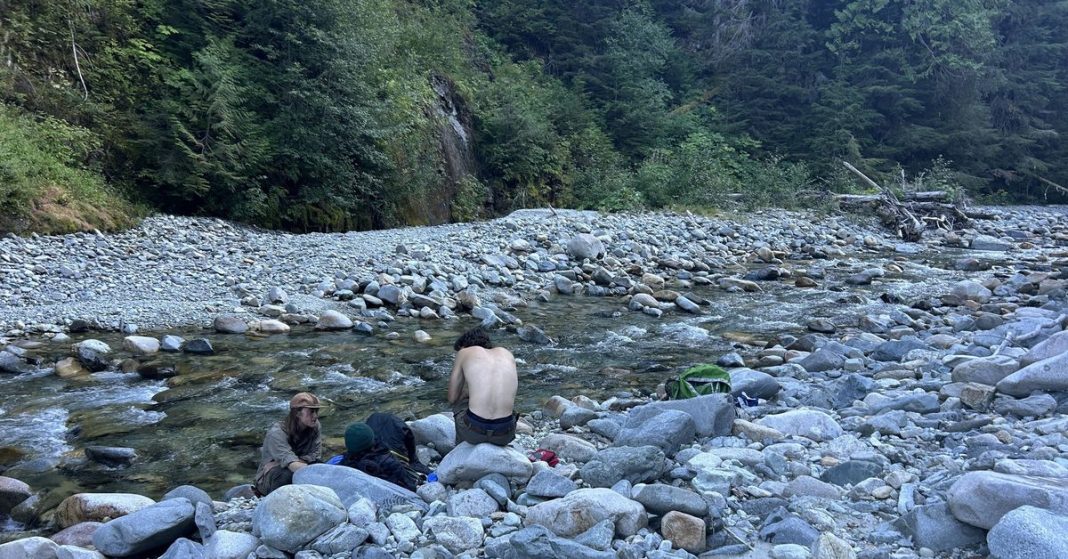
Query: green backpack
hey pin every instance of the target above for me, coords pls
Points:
(699, 380)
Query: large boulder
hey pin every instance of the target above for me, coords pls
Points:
(468, 462)
(659, 498)
(456, 534)
(935, 527)
(549, 484)
(982, 498)
(1055, 345)
(634, 464)
(987, 370)
(1029, 532)
(12, 492)
(569, 447)
(685, 531)
(987, 242)
(333, 320)
(896, 350)
(13, 364)
(755, 384)
(80, 535)
(93, 354)
(150, 528)
(666, 429)
(969, 290)
(29, 548)
(438, 430)
(224, 544)
(83, 507)
(350, 485)
(1048, 375)
(537, 542)
(582, 509)
(713, 415)
(293, 515)
(140, 345)
(230, 324)
(585, 245)
(808, 423)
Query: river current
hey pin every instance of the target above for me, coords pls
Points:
(204, 425)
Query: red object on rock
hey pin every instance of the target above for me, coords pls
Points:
(544, 455)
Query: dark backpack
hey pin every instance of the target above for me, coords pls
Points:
(392, 433)
(698, 380)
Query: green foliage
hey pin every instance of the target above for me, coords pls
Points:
(375, 113)
(469, 203)
(47, 182)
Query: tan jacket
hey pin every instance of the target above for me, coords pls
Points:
(277, 452)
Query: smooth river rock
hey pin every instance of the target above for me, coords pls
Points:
(982, 498)
(152, 527)
(582, 509)
(808, 423)
(1048, 375)
(293, 515)
(82, 507)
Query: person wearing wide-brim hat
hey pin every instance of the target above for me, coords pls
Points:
(290, 444)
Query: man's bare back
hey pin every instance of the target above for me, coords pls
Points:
(487, 377)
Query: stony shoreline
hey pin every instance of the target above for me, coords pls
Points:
(173, 272)
(936, 429)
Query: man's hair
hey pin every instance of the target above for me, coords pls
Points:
(473, 337)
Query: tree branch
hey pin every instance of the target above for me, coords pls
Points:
(77, 65)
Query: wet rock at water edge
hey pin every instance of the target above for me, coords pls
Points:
(171, 343)
(82, 507)
(198, 346)
(93, 354)
(112, 456)
(230, 324)
(141, 345)
(333, 320)
(12, 492)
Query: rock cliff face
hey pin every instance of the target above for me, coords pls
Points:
(451, 122)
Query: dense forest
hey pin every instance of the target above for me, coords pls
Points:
(339, 114)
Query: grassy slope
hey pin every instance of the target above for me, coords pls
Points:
(45, 184)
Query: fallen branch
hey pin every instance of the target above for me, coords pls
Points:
(894, 213)
(1051, 183)
(77, 65)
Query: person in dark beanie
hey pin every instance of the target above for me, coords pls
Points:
(290, 444)
(363, 452)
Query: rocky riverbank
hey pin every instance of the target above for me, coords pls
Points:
(174, 271)
(935, 429)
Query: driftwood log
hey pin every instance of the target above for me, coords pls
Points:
(909, 217)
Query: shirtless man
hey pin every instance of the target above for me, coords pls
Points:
(482, 390)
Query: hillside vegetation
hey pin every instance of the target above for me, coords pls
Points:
(355, 114)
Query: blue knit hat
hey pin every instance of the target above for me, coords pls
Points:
(358, 438)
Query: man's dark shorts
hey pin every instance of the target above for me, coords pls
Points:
(471, 428)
